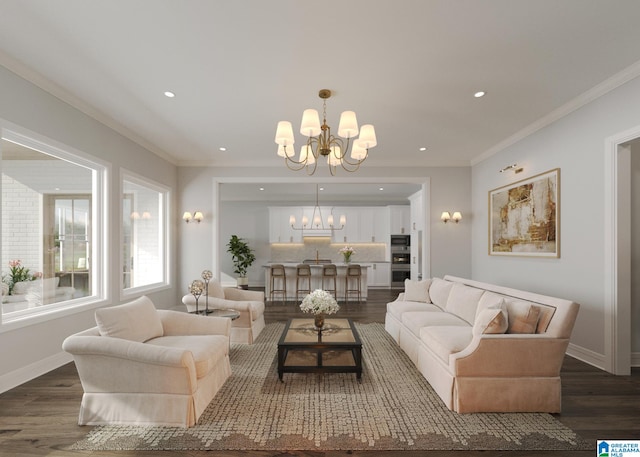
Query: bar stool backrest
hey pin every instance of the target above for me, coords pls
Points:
(303, 270)
(277, 270)
(354, 270)
(329, 270)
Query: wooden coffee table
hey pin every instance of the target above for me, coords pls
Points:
(335, 349)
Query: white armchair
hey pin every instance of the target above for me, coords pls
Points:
(145, 366)
(250, 304)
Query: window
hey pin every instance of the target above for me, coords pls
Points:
(52, 233)
(144, 234)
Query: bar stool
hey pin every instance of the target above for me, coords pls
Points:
(303, 273)
(330, 272)
(278, 274)
(353, 282)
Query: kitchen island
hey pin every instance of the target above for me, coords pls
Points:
(316, 281)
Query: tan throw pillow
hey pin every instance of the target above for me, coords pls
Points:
(490, 321)
(526, 324)
(134, 321)
(417, 290)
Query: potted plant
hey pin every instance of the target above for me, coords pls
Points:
(242, 257)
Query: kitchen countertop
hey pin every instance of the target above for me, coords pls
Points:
(317, 265)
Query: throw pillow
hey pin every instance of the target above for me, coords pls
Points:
(490, 321)
(134, 321)
(527, 323)
(417, 290)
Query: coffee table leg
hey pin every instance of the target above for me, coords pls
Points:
(357, 356)
(282, 355)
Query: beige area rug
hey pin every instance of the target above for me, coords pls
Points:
(394, 408)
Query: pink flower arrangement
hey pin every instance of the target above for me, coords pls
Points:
(18, 273)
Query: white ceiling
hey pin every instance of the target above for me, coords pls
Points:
(410, 67)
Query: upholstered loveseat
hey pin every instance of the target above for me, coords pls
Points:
(483, 347)
(249, 303)
(145, 366)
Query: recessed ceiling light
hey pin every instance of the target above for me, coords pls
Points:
(262, 188)
(381, 188)
(223, 149)
(479, 94)
(169, 94)
(423, 148)
(322, 188)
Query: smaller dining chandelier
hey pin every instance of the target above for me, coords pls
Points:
(317, 221)
(347, 151)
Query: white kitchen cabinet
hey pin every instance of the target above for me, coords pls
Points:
(417, 227)
(417, 212)
(374, 224)
(351, 231)
(280, 230)
(379, 275)
(400, 219)
(365, 224)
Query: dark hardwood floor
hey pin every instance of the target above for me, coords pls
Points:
(39, 418)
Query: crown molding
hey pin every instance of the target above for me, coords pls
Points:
(583, 99)
(36, 78)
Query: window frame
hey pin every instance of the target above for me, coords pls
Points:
(100, 172)
(165, 192)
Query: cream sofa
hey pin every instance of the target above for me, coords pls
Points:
(483, 347)
(143, 366)
(250, 304)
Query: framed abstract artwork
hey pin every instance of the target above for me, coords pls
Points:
(524, 217)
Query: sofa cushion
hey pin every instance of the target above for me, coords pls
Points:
(417, 290)
(134, 321)
(398, 308)
(491, 320)
(490, 300)
(463, 301)
(525, 323)
(416, 320)
(439, 292)
(207, 350)
(446, 340)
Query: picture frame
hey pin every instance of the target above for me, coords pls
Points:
(524, 217)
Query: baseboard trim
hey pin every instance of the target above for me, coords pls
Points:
(635, 359)
(587, 356)
(21, 375)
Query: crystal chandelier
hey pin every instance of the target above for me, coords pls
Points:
(321, 142)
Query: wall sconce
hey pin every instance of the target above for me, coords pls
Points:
(446, 216)
(146, 215)
(513, 166)
(197, 216)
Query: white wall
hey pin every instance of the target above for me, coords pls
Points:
(635, 248)
(450, 189)
(575, 144)
(36, 348)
